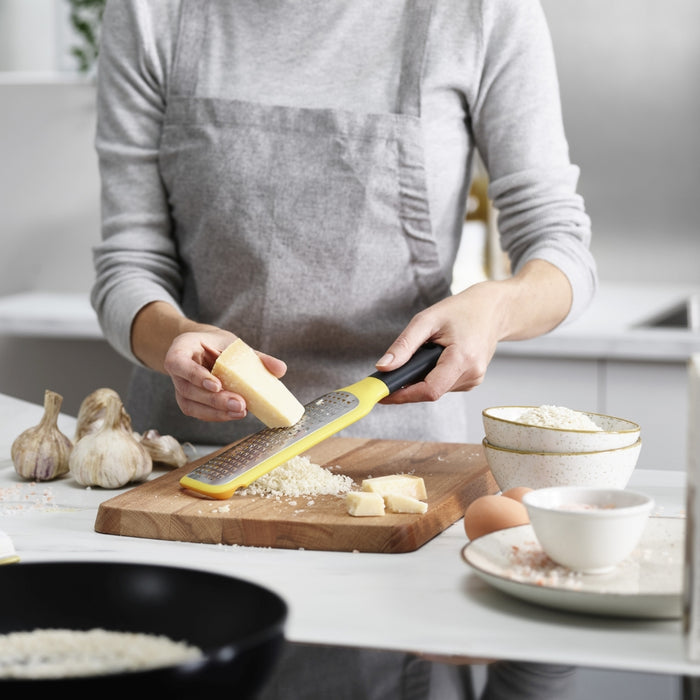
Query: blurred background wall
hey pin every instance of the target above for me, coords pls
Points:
(631, 102)
(630, 83)
(631, 105)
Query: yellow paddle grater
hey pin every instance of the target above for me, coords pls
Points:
(250, 458)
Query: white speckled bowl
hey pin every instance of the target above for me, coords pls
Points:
(502, 429)
(589, 530)
(606, 469)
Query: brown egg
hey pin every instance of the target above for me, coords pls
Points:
(490, 513)
(517, 492)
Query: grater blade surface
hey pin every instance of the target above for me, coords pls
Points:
(256, 448)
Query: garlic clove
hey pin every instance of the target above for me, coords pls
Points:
(164, 449)
(108, 455)
(41, 453)
(92, 412)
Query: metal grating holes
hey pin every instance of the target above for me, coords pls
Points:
(268, 442)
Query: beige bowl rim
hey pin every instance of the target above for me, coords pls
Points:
(488, 445)
(634, 427)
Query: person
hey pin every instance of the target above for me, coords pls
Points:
(295, 174)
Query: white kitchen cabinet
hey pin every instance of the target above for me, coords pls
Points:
(655, 395)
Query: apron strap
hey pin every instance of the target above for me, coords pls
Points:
(413, 60)
(190, 35)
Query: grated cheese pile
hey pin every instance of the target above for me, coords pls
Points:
(299, 477)
(557, 417)
(60, 653)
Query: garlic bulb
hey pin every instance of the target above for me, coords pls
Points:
(110, 456)
(164, 449)
(92, 412)
(41, 453)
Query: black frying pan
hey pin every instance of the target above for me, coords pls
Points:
(238, 625)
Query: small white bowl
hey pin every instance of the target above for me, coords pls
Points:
(587, 529)
(503, 429)
(536, 470)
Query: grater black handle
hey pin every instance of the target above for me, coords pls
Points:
(414, 370)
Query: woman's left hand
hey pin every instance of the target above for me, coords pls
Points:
(465, 326)
(469, 325)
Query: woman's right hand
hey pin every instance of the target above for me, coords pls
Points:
(166, 341)
(198, 392)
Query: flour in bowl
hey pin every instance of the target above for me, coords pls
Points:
(557, 417)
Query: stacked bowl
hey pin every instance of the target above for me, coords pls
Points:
(544, 446)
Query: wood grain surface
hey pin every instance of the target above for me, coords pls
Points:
(454, 474)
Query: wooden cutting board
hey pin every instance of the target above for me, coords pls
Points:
(454, 474)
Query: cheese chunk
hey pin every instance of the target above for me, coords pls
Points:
(241, 370)
(362, 503)
(403, 484)
(398, 503)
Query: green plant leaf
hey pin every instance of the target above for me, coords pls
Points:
(86, 18)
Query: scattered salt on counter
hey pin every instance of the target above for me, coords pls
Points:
(24, 497)
(557, 417)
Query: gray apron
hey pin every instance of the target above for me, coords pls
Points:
(306, 232)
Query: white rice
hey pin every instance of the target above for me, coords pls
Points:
(299, 477)
(61, 653)
(557, 417)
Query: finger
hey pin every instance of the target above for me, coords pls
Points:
(416, 333)
(273, 364)
(210, 355)
(179, 365)
(449, 374)
(206, 412)
(194, 401)
(456, 660)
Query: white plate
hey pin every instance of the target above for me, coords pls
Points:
(648, 584)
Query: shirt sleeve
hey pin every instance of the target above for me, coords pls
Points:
(517, 123)
(136, 260)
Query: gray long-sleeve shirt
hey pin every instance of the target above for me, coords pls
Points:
(489, 83)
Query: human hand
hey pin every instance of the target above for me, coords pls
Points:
(452, 660)
(198, 392)
(468, 325)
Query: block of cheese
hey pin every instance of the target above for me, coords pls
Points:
(241, 370)
(404, 484)
(399, 503)
(364, 503)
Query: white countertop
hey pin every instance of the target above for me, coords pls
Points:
(49, 314)
(427, 601)
(608, 329)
